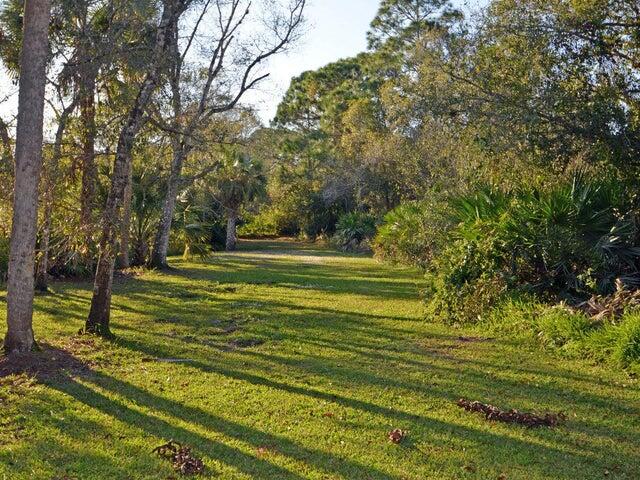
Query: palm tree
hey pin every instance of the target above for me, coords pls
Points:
(239, 180)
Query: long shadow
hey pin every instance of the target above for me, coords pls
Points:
(163, 430)
(324, 461)
(324, 278)
(497, 444)
(472, 380)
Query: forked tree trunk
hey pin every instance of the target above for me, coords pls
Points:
(232, 222)
(99, 314)
(28, 157)
(161, 243)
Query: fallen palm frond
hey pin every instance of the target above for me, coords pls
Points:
(513, 416)
(600, 307)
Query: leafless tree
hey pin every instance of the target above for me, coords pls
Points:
(241, 42)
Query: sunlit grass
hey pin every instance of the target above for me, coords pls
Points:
(345, 357)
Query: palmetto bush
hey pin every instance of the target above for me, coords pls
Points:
(353, 229)
(568, 241)
(576, 238)
(412, 233)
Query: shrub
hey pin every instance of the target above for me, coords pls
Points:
(466, 303)
(411, 233)
(354, 229)
(569, 241)
(263, 225)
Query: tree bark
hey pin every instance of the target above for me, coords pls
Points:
(42, 277)
(88, 157)
(161, 243)
(28, 155)
(123, 260)
(99, 314)
(232, 221)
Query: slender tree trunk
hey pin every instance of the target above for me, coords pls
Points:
(99, 314)
(33, 62)
(180, 152)
(42, 269)
(123, 260)
(232, 222)
(88, 158)
(161, 243)
(42, 277)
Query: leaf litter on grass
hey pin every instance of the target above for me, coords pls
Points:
(529, 420)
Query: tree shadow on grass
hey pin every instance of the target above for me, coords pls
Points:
(495, 445)
(164, 430)
(321, 277)
(322, 461)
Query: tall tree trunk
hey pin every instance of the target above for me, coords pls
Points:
(123, 261)
(88, 157)
(232, 222)
(33, 62)
(42, 269)
(161, 243)
(99, 314)
(42, 277)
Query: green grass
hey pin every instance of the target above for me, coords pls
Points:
(346, 358)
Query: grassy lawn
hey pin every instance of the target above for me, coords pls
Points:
(296, 363)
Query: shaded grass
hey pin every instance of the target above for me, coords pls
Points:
(346, 357)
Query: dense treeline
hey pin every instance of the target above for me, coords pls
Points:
(147, 141)
(498, 152)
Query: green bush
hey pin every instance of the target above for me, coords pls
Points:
(266, 224)
(411, 233)
(569, 241)
(354, 229)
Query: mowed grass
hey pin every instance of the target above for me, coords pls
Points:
(296, 363)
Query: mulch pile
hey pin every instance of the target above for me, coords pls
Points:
(529, 420)
(180, 457)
